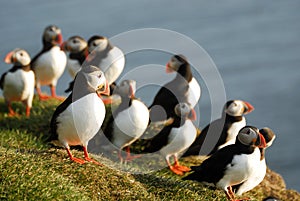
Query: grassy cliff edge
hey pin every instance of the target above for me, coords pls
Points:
(31, 169)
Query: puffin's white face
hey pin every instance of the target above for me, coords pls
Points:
(96, 80)
(75, 44)
(126, 88)
(174, 64)
(251, 136)
(18, 57)
(98, 45)
(182, 109)
(238, 108)
(52, 34)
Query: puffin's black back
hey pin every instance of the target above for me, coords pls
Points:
(53, 124)
(216, 126)
(213, 168)
(13, 69)
(46, 47)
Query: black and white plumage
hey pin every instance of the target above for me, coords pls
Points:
(18, 83)
(78, 52)
(109, 58)
(227, 127)
(183, 88)
(129, 121)
(232, 164)
(260, 171)
(49, 64)
(78, 119)
(173, 139)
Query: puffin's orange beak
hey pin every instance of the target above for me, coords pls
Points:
(8, 58)
(63, 46)
(168, 68)
(192, 115)
(131, 92)
(248, 107)
(263, 143)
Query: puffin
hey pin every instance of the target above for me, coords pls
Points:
(109, 58)
(183, 88)
(228, 125)
(78, 52)
(49, 64)
(232, 164)
(259, 174)
(129, 121)
(175, 138)
(78, 119)
(18, 83)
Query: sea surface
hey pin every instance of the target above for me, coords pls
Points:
(255, 46)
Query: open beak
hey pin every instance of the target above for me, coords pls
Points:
(8, 58)
(103, 89)
(168, 68)
(192, 116)
(248, 107)
(262, 141)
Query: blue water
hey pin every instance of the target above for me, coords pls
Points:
(254, 44)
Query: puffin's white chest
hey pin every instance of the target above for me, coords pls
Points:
(81, 120)
(233, 132)
(113, 64)
(130, 124)
(240, 169)
(73, 67)
(180, 139)
(254, 179)
(194, 92)
(18, 85)
(50, 66)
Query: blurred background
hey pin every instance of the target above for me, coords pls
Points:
(254, 44)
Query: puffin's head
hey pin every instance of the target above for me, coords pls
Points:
(97, 43)
(74, 44)
(237, 108)
(250, 136)
(126, 88)
(175, 62)
(95, 79)
(268, 135)
(52, 34)
(184, 110)
(18, 57)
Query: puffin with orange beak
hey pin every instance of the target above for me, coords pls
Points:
(129, 121)
(49, 64)
(233, 164)
(78, 119)
(18, 83)
(224, 130)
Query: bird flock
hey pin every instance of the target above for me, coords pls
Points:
(235, 164)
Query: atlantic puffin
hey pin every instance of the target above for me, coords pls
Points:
(183, 88)
(78, 52)
(78, 119)
(173, 139)
(260, 171)
(18, 83)
(49, 64)
(228, 125)
(129, 121)
(232, 164)
(109, 58)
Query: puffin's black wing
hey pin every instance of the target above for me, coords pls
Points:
(168, 97)
(195, 148)
(53, 124)
(159, 141)
(213, 168)
(2, 80)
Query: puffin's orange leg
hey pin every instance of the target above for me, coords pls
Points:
(77, 160)
(173, 168)
(87, 158)
(180, 167)
(53, 94)
(130, 157)
(42, 96)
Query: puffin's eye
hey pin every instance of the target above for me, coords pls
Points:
(99, 76)
(75, 41)
(94, 44)
(21, 54)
